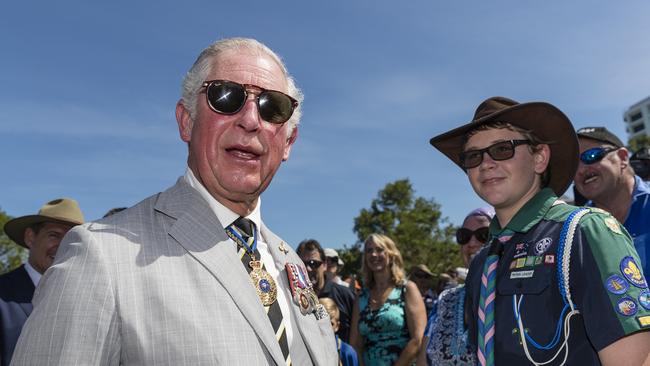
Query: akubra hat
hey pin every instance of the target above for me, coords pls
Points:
(544, 120)
(62, 210)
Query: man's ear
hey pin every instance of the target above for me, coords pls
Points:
(184, 121)
(289, 143)
(624, 155)
(28, 237)
(542, 157)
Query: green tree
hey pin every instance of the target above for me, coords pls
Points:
(11, 254)
(414, 223)
(638, 142)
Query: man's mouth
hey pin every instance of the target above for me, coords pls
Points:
(590, 178)
(243, 154)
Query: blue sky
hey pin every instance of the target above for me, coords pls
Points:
(87, 93)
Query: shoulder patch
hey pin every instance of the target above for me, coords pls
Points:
(626, 306)
(644, 299)
(632, 272)
(616, 284)
(644, 321)
(613, 225)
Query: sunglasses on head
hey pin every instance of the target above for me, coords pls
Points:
(313, 263)
(228, 97)
(595, 154)
(463, 235)
(503, 150)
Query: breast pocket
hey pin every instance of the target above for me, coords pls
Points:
(526, 281)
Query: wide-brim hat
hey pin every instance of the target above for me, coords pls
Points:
(61, 210)
(544, 120)
(423, 268)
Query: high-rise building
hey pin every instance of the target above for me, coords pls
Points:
(637, 119)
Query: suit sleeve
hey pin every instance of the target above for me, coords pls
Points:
(75, 320)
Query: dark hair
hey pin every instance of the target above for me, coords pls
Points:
(37, 227)
(309, 245)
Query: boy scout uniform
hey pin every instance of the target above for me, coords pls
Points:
(608, 287)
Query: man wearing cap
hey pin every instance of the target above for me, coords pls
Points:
(423, 279)
(41, 234)
(606, 178)
(334, 265)
(312, 254)
(640, 162)
(555, 283)
(192, 275)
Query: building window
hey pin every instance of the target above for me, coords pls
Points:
(637, 128)
(635, 116)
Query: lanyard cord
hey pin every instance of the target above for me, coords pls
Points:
(564, 248)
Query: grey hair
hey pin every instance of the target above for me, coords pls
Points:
(198, 73)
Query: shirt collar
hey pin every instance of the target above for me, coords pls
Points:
(224, 214)
(640, 187)
(529, 215)
(33, 273)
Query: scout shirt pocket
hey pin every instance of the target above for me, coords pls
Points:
(527, 280)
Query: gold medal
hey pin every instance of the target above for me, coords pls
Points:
(263, 283)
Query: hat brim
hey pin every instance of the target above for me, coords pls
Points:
(547, 123)
(15, 228)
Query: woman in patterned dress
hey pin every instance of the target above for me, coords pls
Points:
(388, 317)
(445, 338)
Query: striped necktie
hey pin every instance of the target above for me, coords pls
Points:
(246, 228)
(486, 323)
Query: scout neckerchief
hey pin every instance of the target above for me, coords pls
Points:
(487, 300)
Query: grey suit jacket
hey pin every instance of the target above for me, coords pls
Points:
(160, 284)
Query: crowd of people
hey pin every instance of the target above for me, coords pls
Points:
(193, 276)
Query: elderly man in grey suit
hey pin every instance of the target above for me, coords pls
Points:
(192, 276)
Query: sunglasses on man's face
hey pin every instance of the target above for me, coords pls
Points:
(595, 154)
(463, 235)
(503, 150)
(228, 97)
(313, 264)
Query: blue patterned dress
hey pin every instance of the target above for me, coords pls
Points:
(384, 330)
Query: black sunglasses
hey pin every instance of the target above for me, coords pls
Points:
(595, 154)
(503, 150)
(463, 236)
(313, 263)
(228, 97)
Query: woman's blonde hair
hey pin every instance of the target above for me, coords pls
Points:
(395, 261)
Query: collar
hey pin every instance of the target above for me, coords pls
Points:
(224, 214)
(529, 215)
(641, 187)
(33, 273)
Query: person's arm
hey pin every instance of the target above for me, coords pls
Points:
(416, 319)
(422, 355)
(356, 340)
(75, 320)
(631, 350)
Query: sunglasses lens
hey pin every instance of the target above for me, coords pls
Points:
(275, 107)
(593, 155)
(471, 159)
(463, 236)
(226, 97)
(482, 234)
(502, 151)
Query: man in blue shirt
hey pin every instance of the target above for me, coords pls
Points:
(605, 177)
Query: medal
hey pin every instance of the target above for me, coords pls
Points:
(263, 282)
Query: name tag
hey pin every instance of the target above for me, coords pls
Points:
(521, 274)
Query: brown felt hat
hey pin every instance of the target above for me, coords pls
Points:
(544, 120)
(61, 210)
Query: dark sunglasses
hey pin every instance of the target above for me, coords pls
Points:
(595, 154)
(313, 263)
(503, 150)
(463, 236)
(228, 97)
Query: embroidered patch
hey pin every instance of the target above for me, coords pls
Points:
(504, 238)
(521, 250)
(626, 306)
(521, 262)
(542, 246)
(530, 261)
(521, 274)
(644, 321)
(644, 299)
(513, 264)
(613, 225)
(616, 284)
(631, 271)
(549, 259)
(538, 260)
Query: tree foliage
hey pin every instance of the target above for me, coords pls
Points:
(414, 223)
(11, 254)
(638, 142)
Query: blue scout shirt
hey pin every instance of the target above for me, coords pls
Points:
(607, 285)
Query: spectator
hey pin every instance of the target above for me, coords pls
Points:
(640, 161)
(423, 279)
(334, 265)
(389, 316)
(347, 354)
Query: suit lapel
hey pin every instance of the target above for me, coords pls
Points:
(198, 230)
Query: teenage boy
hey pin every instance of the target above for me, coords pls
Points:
(556, 283)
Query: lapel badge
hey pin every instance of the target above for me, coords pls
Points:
(283, 248)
